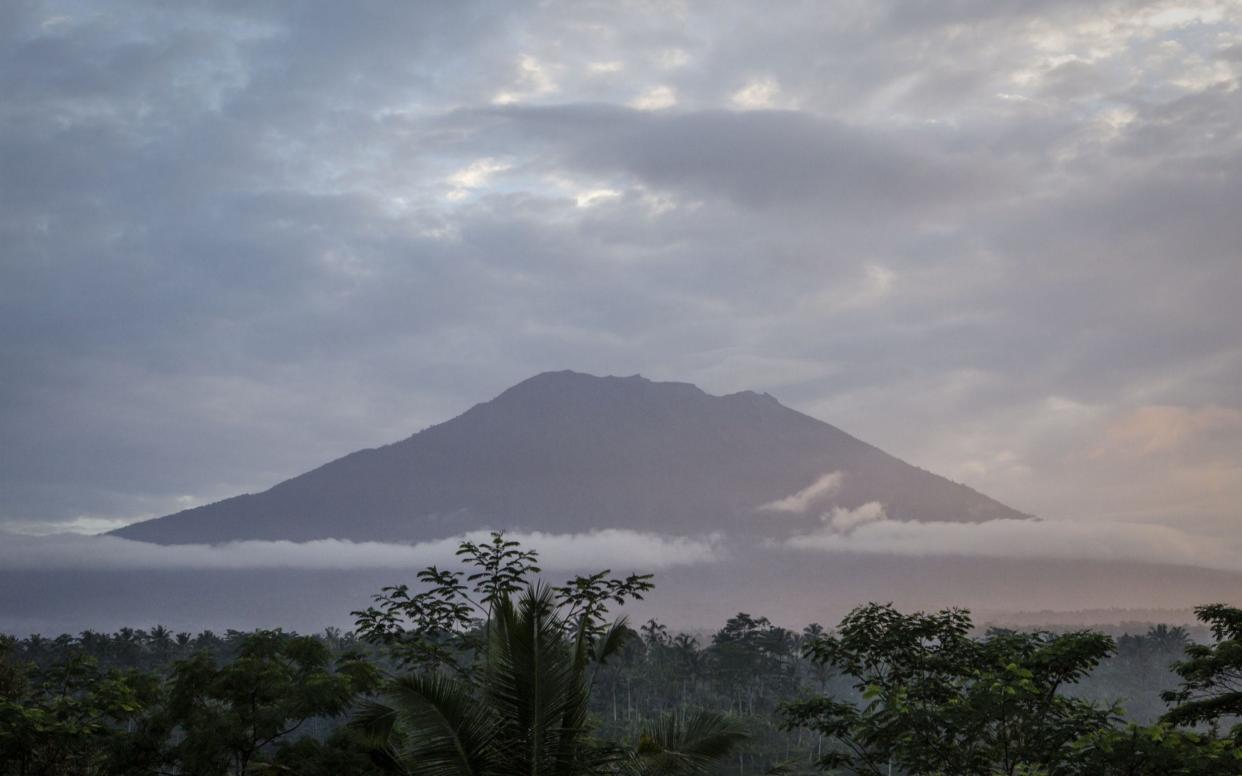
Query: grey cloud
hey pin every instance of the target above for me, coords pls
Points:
(767, 160)
(798, 503)
(1065, 539)
(919, 16)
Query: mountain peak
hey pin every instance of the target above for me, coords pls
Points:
(569, 380)
(579, 394)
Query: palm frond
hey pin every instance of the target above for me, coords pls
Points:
(535, 687)
(374, 724)
(673, 746)
(611, 641)
(434, 726)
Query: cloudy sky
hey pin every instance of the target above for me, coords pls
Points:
(999, 239)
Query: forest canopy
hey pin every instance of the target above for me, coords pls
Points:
(486, 668)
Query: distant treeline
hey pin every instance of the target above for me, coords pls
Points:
(487, 671)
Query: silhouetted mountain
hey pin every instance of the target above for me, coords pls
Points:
(568, 452)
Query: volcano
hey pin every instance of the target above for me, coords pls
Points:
(565, 452)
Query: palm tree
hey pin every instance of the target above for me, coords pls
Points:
(161, 642)
(685, 747)
(523, 712)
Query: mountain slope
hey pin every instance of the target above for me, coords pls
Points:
(568, 452)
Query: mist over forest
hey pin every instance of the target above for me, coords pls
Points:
(484, 667)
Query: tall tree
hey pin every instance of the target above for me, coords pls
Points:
(523, 711)
(69, 718)
(933, 700)
(503, 667)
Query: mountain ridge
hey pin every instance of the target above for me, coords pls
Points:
(567, 452)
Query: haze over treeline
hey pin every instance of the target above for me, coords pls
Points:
(484, 668)
(736, 501)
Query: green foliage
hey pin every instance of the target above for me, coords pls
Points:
(503, 667)
(227, 715)
(1159, 750)
(69, 718)
(936, 701)
(523, 711)
(443, 625)
(341, 754)
(672, 746)
(1211, 674)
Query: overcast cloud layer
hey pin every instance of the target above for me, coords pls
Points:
(862, 530)
(998, 239)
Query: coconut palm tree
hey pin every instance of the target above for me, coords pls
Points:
(522, 712)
